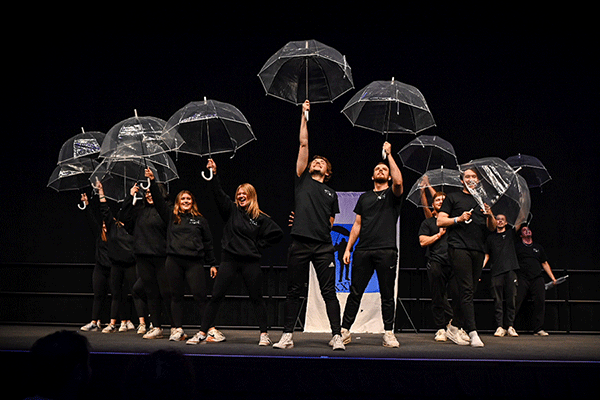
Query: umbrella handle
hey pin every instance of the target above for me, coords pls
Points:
(210, 175)
(471, 219)
(306, 115)
(82, 207)
(135, 199)
(147, 186)
(383, 154)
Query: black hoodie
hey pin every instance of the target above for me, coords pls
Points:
(147, 227)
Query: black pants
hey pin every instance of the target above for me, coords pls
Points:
(101, 287)
(442, 284)
(179, 271)
(300, 254)
(253, 279)
(534, 288)
(367, 262)
(153, 273)
(122, 279)
(504, 291)
(466, 266)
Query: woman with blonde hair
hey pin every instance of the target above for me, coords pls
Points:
(246, 233)
(189, 248)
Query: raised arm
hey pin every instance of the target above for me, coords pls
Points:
(397, 183)
(302, 161)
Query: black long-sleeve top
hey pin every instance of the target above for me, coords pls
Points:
(190, 237)
(101, 253)
(243, 236)
(120, 242)
(149, 230)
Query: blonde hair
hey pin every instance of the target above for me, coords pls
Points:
(252, 209)
(193, 211)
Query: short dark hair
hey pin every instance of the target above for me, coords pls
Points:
(329, 168)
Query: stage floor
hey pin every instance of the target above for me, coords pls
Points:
(558, 366)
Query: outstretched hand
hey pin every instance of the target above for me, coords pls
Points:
(212, 165)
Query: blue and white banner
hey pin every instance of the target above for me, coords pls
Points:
(368, 319)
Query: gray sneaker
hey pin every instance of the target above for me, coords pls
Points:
(90, 327)
(511, 332)
(346, 336)
(214, 335)
(197, 338)
(285, 342)
(541, 333)
(389, 340)
(141, 330)
(178, 335)
(454, 335)
(154, 333)
(264, 340)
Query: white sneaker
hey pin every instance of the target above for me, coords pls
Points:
(511, 332)
(475, 340)
(154, 333)
(464, 336)
(178, 335)
(90, 327)
(264, 340)
(541, 333)
(214, 335)
(197, 338)
(389, 340)
(440, 335)
(130, 326)
(500, 332)
(337, 343)
(454, 335)
(285, 342)
(141, 330)
(346, 336)
(110, 328)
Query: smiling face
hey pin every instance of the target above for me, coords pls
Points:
(241, 197)
(470, 179)
(500, 221)
(149, 197)
(320, 166)
(185, 202)
(438, 200)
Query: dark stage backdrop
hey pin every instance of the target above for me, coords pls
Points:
(497, 87)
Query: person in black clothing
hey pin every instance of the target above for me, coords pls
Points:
(500, 252)
(120, 253)
(377, 212)
(467, 224)
(315, 207)
(533, 262)
(150, 248)
(189, 248)
(247, 232)
(101, 272)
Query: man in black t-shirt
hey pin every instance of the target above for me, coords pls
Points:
(467, 224)
(376, 212)
(532, 264)
(315, 207)
(500, 252)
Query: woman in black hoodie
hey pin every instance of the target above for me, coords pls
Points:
(189, 248)
(150, 249)
(120, 253)
(246, 233)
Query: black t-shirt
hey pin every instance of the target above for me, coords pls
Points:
(530, 259)
(315, 204)
(438, 250)
(469, 236)
(379, 214)
(501, 248)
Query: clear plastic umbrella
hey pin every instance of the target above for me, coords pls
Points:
(435, 180)
(209, 127)
(306, 70)
(118, 174)
(428, 152)
(501, 188)
(531, 168)
(84, 144)
(73, 175)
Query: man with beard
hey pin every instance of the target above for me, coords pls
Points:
(466, 223)
(376, 212)
(315, 207)
(532, 263)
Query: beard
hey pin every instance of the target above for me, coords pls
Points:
(380, 180)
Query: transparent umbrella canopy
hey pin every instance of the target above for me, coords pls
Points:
(209, 127)
(500, 187)
(428, 152)
(306, 70)
(435, 180)
(73, 175)
(531, 168)
(82, 145)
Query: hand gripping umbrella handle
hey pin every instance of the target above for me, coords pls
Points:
(82, 207)
(135, 199)
(383, 154)
(470, 219)
(210, 175)
(306, 115)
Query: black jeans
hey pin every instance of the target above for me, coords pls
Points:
(534, 288)
(101, 286)
(300, 254)
(466, 265)
(366, 262)
(253, 279)
(504, 290)
(441, 284)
